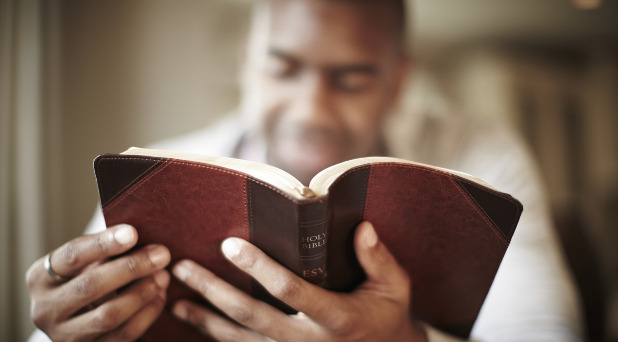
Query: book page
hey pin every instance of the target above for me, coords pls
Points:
(323, 180)
(266, 173)
(282, 180)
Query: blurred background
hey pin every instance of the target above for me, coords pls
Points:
(81, 78)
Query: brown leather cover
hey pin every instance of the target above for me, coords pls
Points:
(189, 207)
(450, 234)
(449, 245)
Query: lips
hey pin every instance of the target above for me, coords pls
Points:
(310, 153)
(308, 149)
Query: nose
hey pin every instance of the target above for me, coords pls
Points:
(314, 100)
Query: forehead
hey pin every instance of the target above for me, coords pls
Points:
(331, 31)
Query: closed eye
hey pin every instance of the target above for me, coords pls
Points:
(280, 65)
(354, 79)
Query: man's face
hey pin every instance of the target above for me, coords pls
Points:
(324, 74)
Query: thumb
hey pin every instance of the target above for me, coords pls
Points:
(382, 270)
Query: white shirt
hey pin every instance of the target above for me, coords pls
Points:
(533, 297)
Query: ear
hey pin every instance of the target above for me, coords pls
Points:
(242, 57)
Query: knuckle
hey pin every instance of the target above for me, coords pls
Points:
(203, 287)
(343, 325)
(242, 314)
(132, 264)
(197, 320)
(287, 288)
(130, 332)
(148, 291)
(231, 335)
(107, 318)
(69, 254)
(31, 278)
(39, 321)
(87, 285)
(40, 315)
(127, 333)
(100, 242)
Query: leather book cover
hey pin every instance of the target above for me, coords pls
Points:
(448, 232)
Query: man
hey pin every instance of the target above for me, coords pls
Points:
(320, 78)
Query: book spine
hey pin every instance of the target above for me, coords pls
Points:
(312, 240)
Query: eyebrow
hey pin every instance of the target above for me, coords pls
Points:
(363, 68)
(358, 68)
(273, 51)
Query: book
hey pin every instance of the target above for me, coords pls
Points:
(448, 230)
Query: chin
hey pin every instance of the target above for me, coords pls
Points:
(303, 174)
(302, 171)
(303, 161)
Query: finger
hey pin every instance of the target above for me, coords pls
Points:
(98, 281)
(383, 272)
(315, 302)
(213, 325)
(239, 306)
(74, 255)
(137, 325)
(113, 313)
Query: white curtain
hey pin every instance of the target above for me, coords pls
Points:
(21, 149)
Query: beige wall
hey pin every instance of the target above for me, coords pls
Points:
(134, 72)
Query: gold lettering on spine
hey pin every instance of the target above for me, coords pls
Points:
(313, 272)
(313, 241)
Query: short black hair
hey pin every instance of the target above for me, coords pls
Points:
(396, 8)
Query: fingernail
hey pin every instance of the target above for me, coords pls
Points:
(181, 271)
(180, 311)
(162, 279)
(231, 247)
(124, 235)
(159, 255)
(371, 238)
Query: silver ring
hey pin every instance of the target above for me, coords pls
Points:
(55, 276)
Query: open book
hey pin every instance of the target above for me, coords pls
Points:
(449, 230)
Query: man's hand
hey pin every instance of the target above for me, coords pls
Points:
(94, 303)
(378, 310)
